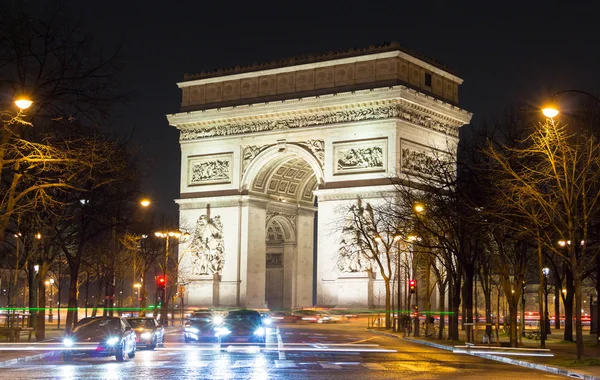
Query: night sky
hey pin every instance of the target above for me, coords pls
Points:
(514, 52)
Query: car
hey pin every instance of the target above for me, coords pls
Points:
(149, 332)
(242, 327)
(284, 317)
(100, 336)
(313, 316)
(201, 326)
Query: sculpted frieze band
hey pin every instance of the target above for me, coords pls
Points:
(398, 111)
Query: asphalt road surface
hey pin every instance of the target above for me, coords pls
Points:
(294, 351)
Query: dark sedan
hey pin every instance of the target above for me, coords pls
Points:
(148, 331)
(201, 326)
(242, 327)
(100, 336)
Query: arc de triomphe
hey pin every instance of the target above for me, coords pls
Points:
(270, 153)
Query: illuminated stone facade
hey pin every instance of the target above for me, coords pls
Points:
(265, 147)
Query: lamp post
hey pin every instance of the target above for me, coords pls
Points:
(166, 235)
(398, 293)
(50, 317)
(546, 272)
(137, 286)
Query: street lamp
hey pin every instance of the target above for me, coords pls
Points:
(419, 208)
(551, 110)
(166, 235)
(546, 271)
(23, 103)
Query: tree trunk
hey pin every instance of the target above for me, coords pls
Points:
(568, 301)
(488, 311)
(442, 292)
(388, 299)
(40, 330)
(72, 303)
(513, 307)
(468, 302)
(454, 308)
(578, 306)
(32, 279)
(557, 289)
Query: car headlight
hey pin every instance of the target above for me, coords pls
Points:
(68, 342)
(267, 320)
(146, 335)
(220, 331)
(112, 341)
(192, 330)
(217, 320)
(260, 331)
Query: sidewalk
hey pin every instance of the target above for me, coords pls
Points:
(27, 352)
(563, 361)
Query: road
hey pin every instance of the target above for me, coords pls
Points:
(294, 351)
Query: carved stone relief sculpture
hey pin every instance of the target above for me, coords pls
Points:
(351, 251)
(205, 170)
(317, 148)
(249, 152)
(360, 156)
(207, 249)
(418, 159)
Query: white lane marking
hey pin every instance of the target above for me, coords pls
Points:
(285, 364)
(374, 366)
(328, 365)
(243, 364)
(280, 347)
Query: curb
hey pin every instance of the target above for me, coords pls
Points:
(522, 363)
(23, 359)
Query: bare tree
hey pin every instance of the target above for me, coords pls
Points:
(551, 184)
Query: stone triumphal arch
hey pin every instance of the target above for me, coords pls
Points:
(270, 153)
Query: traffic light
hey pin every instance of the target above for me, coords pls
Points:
(412, 286)
(161, 281)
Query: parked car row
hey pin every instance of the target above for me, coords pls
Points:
(112, 336)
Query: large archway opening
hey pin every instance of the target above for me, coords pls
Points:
(286, 181)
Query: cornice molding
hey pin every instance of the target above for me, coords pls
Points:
(399, 109)
(318, 104)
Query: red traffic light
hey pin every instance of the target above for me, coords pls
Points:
(412, 285)
(161, 281)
